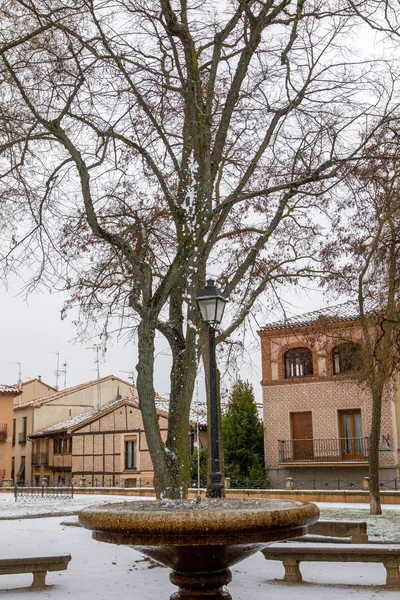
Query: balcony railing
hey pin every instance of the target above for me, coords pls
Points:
(323, 450)
(22, 437)
(40, 459)
(3, 432)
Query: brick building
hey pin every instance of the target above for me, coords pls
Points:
(317, 412)
(33, 413)
(103, 447)
(8, 393)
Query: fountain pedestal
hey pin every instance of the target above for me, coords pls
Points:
(199, 542)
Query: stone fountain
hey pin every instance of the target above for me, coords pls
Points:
(199, 541)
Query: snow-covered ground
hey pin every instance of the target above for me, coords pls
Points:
(9, 509)
(101, 571)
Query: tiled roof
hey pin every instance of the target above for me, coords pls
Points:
(347, 311)
(61, 393)
(162, 405)
(10, 389)
(72, 422)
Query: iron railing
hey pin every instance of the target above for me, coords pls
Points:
(323, 450)
(40, 459)
(43, 492)
(3, 432)
(302, 483)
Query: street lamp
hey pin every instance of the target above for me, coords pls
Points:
(211, 303)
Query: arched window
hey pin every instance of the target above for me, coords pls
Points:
(298, 363)
(346, 358)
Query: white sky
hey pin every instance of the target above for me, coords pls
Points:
(99, 570)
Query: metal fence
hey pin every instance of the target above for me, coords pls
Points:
(32, 491)
(43, 492)
(315, 484)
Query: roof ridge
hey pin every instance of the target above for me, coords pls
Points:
(345, 311)
(80, 418)
(70, 390)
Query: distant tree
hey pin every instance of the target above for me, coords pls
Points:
(243, 435)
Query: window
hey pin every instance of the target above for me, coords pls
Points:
(14, 431)
(298, 363)
(352, 446)
(21, 472)
(130, 454)
(23, 433)
(346, 358)
(63, 446)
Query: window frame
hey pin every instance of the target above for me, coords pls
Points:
(301, 363)
(62, 445)
(131, 465)
(351, 433)
(341, 363)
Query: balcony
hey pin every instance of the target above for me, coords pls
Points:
(61, 461)
(40, 459)
(3, 432)
(336, 450)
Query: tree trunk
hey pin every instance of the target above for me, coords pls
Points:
(374, 490)
(183, 377)
(145, 387)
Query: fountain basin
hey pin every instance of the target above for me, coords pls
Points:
(199, 541)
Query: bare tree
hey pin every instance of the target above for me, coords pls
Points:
(367, 246)
(144, 143)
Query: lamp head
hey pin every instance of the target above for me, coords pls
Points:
(211, 303)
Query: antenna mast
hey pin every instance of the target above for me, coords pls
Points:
(19, 382)
(59, 371)
(131, 375)
(65, 373)
(96, 348)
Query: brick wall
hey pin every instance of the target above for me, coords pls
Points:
(324, 394)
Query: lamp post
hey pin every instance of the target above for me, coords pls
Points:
(211, 303)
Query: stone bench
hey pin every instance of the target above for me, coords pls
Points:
(292, 554)
(356, 530)
(37, 565)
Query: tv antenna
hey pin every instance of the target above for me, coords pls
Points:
(59, 371)
(19, 382)
(96, 348)
(131, 375)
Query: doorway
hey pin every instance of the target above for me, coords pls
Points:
(302, 435)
